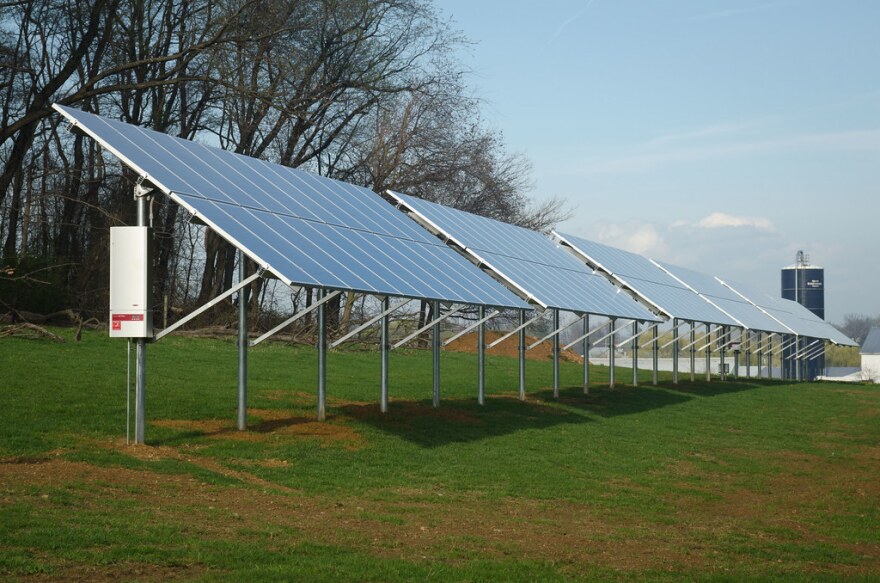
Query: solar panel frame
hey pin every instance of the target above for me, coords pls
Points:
(371, 248)
(649, 282)
(526, 260)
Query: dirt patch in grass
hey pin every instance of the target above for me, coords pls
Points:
(120, 572)
(510, 347)
(451, 529)
(272, 423)
(787, 505)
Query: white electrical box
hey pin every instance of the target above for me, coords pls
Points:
(131, 261)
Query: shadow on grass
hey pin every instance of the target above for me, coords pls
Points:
(621, 400)
(460, 420)
(701, 388)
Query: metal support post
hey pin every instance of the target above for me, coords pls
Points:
(723, 351)
(796, 360)
(748, 350)
(384, 348)
(481, 357)
(709, 353)
(242, 343)
(522, 355)
(435, 346)
(693, 341)
(586, 354)
(140, 375)
(674, 351)
(655, 356)
(760, 355)
(322, 357)
(611, 354)
(770, 361)
(556, 354)
(635, 353)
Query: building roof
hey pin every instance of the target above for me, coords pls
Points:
(872, 342)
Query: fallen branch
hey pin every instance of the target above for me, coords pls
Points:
(29, 330)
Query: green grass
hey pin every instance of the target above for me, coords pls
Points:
(721, 481)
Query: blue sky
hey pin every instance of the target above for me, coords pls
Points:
(722, 136)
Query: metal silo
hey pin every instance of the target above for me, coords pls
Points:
(805, 283)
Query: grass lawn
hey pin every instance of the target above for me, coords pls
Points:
(721, 481)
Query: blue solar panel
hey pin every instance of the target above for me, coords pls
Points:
(727, 300)
(648, 281)
(793, 315)
(527, 260)
(306, 229)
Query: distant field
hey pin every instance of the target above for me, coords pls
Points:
(721, 481)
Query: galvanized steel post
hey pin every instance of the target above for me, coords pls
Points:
(675, 351)
(556, 353)
(435, 341)
(693, 343)
(242, 343)
(748, 348)
(140, 360)
(655, 355)
(522, 355)
(586, 354)
(635, 353)
(322, 356)
(723, 352)
(761, 349)
(384, 348)
(611, 354)
(481, 357)
(709, 352)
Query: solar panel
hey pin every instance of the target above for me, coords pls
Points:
(796, 317)
(726, 299)
(305, 229)
(648, 281)
(527, 260)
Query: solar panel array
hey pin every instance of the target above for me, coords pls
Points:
(314, 231)
(528, 260)
(648, 281)
(739, 309)
(305, 229)
(793, 315)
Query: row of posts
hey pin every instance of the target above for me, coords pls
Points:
(721, 332)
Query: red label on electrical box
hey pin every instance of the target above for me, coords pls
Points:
(117, 325)
(128, 318)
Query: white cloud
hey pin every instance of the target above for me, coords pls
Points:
(633, 236)
(722, 220)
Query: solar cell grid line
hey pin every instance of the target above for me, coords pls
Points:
(304, 229)
(647, 281)
(526, 261)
